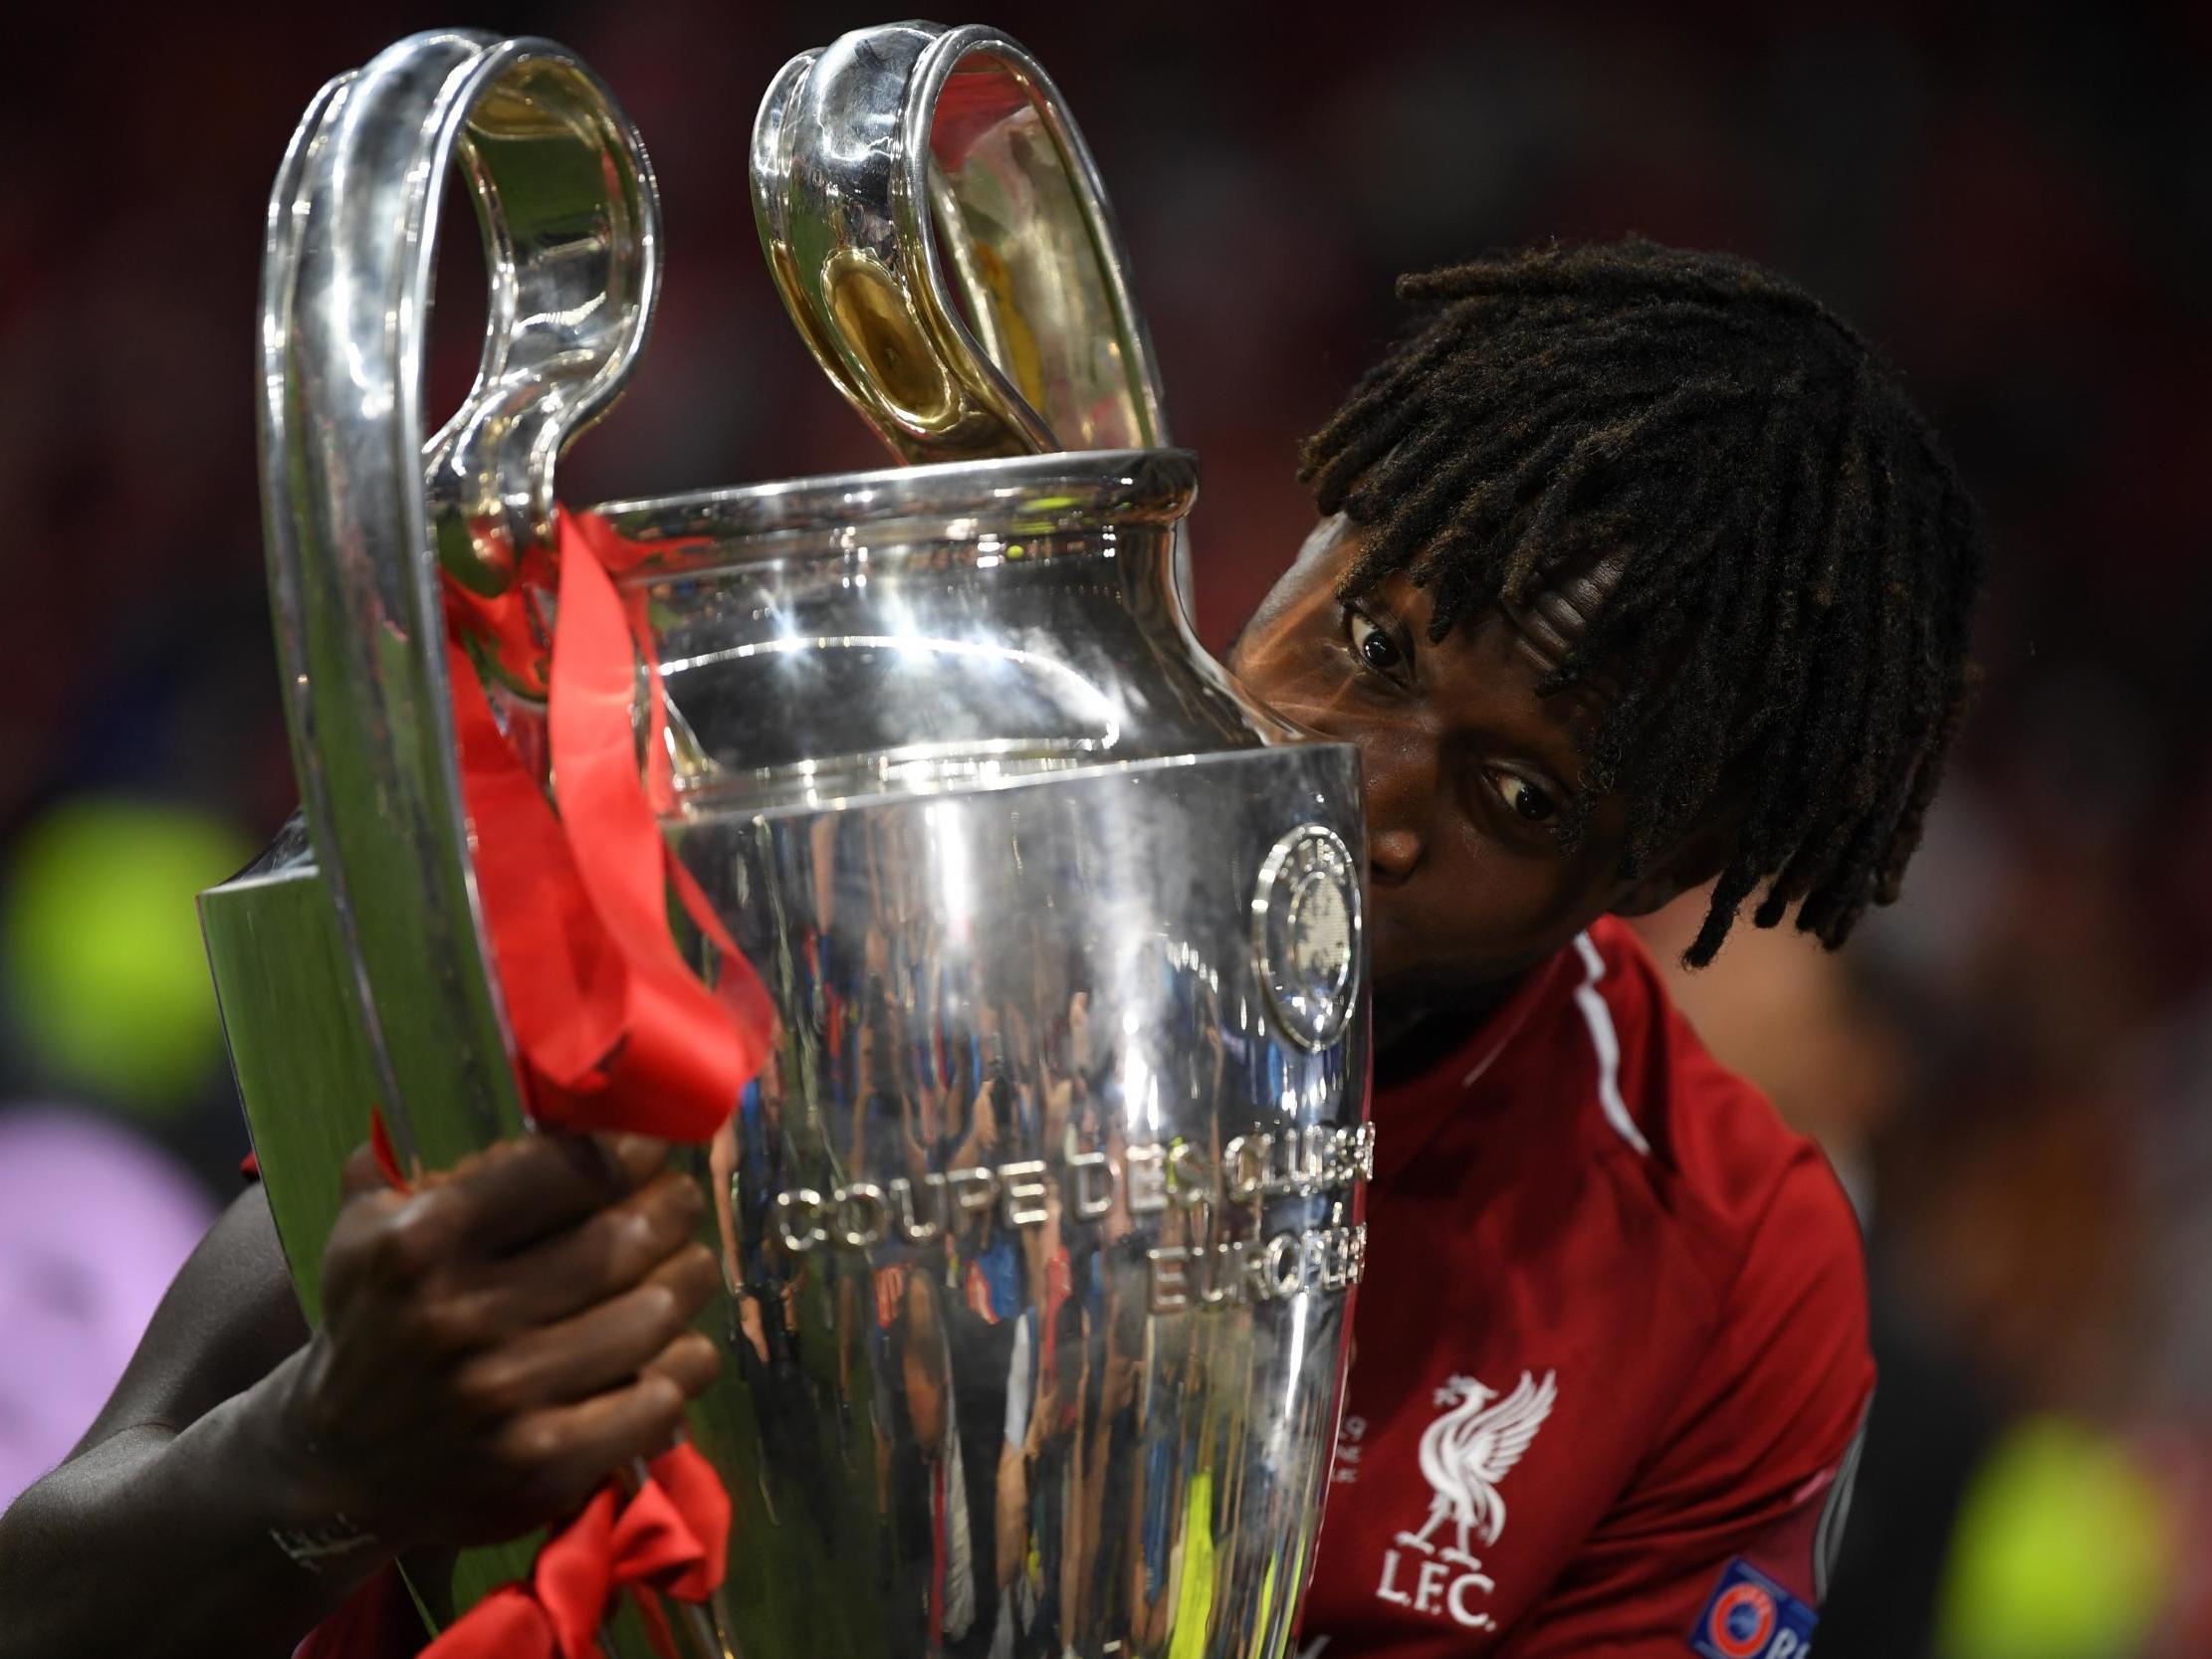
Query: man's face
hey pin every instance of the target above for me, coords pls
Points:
(1467, 768)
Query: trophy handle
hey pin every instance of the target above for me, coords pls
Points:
(364, 515)
(1010, 331)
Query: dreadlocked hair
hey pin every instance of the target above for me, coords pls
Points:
(1792, 619)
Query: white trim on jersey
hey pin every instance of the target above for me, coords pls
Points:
(1607, 1041)
(1828, 1536)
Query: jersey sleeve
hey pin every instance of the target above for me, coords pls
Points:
(378, 1622)
(1732, 1525)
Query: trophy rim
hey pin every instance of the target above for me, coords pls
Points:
(1035, 493)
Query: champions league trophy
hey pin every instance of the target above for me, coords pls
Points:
(1039, 1222)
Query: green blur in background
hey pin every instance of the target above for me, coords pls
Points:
(100, 946)
(2063, 1550)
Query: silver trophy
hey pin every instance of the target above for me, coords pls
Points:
(1040, 1223)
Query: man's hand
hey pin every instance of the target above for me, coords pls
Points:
(498, 1341)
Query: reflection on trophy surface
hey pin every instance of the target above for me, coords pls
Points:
(1041, 1220)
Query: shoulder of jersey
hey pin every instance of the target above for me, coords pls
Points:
(1709, 1135)
(1749, 1203)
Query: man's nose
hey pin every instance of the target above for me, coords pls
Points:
(1400, 773)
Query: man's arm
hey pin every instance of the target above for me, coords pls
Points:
(495, 1343)
(158, 1527)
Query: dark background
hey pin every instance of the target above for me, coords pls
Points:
(2011, 1070)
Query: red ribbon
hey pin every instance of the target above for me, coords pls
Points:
(669, 1536)
(614, 1028)
(385, 1155)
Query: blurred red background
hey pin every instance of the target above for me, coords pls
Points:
(2012, 1069)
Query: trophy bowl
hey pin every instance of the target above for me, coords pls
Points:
(1041, 1220)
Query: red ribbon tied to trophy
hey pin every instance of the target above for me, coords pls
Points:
(612, 1027)
(670, 1535)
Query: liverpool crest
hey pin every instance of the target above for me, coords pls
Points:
(1465, 1455)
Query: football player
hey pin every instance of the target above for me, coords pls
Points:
(1635, 570)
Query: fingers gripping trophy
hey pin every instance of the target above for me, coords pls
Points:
(887, 839)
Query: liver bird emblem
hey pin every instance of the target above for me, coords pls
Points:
(1468, 1450)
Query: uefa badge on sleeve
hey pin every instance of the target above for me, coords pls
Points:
(1750, 1616)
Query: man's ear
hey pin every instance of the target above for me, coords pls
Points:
(1692, 862)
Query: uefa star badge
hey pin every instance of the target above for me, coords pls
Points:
(1750, 1616)
(1305, 934)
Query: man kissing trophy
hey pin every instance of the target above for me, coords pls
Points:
(886, 837)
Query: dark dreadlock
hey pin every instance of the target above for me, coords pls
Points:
(1794, 613)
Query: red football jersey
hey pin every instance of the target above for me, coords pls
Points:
(1610, 1353)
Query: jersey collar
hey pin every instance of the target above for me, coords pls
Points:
(1410, 1114)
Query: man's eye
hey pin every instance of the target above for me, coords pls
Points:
(1376, 648)
(1526, 800)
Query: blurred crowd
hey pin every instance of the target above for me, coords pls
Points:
(2011, 1068)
